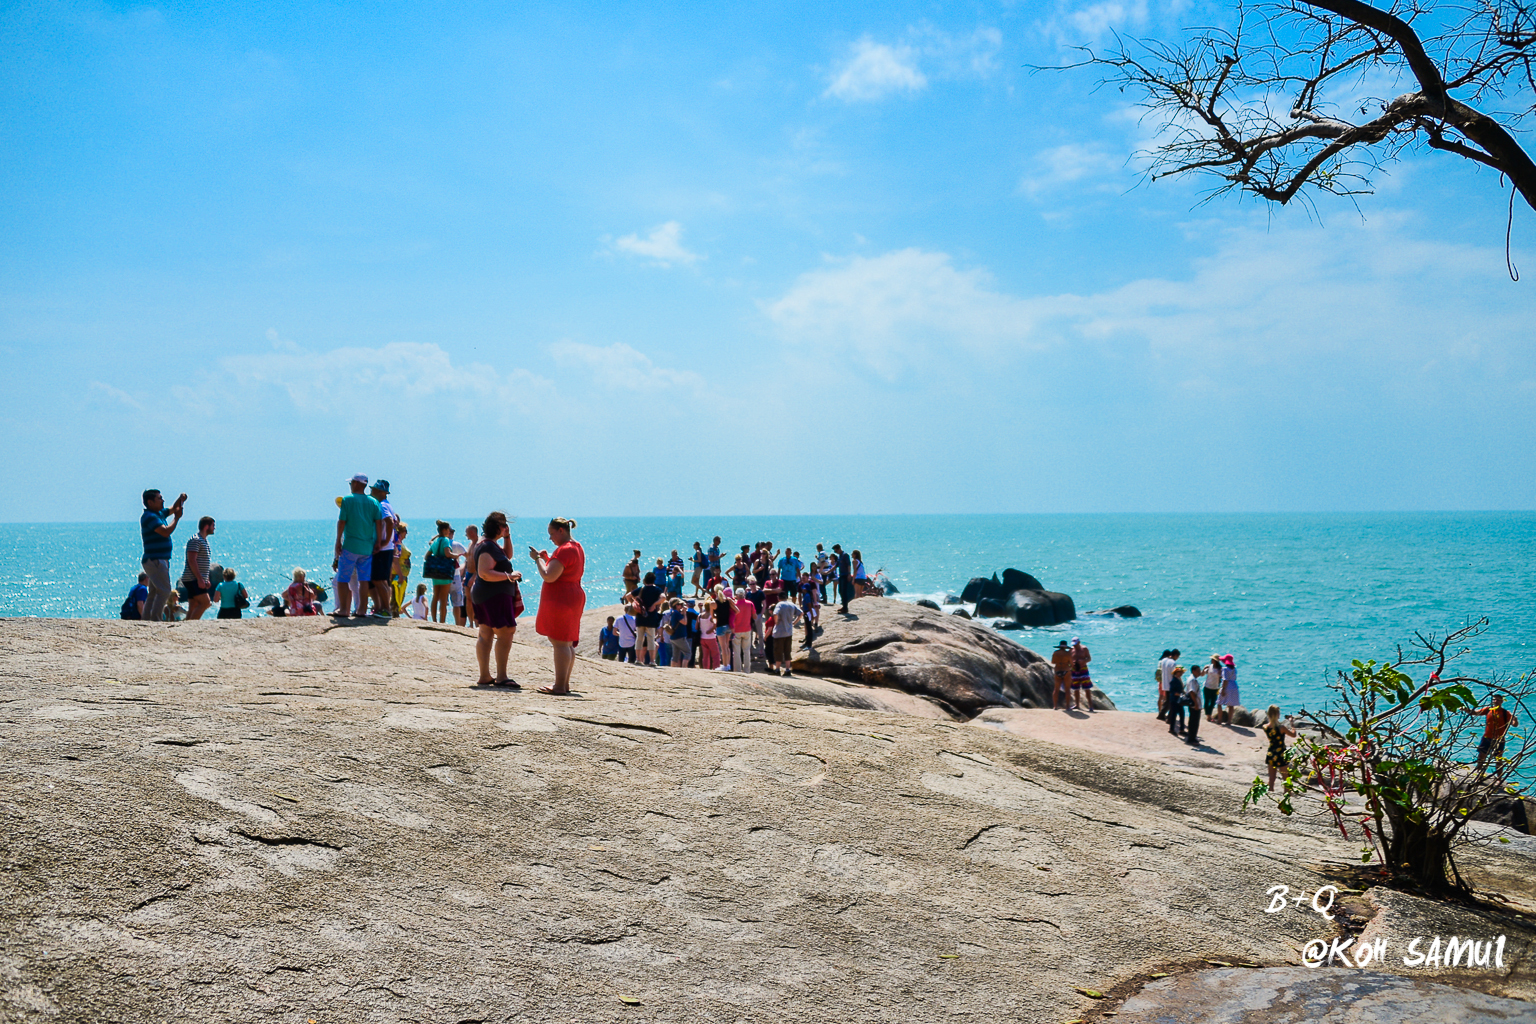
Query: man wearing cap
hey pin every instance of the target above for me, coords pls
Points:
(383, 568)
(1061, 665)
(359, 532)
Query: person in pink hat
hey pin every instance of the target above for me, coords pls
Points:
(1228, 698)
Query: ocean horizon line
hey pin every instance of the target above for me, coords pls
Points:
(1180, 514)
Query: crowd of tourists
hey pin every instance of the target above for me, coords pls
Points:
(748, 607)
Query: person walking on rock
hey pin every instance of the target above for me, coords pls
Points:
(156, 526)
(1497, 720)
(1082, 683)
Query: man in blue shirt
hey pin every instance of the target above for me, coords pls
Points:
(156, 530)
(133, 608)
(713, 554)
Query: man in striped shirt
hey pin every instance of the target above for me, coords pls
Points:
(195, 576)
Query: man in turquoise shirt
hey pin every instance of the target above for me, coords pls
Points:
(360, 532)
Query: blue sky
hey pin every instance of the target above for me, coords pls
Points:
(621, 260)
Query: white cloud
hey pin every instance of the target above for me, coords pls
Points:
(889, 310)
(663, 245)
(1098, 20)
(355, 380)
(873, 70)
(1063, 165)
(621, 367)
(1369, 300)
(115, 395)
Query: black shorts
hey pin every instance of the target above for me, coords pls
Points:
(383, 566)
(229, 613)
(191, 589)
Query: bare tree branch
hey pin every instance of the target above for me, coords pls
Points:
(1216, 95)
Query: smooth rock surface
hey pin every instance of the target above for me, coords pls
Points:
(1298, 995)
(291, 820)
(901, 646)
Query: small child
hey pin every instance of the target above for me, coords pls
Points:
(418, 609)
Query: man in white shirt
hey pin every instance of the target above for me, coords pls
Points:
(384, 555)
(1164, 677)
(628, 632)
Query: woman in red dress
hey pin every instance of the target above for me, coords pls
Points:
(561, 601)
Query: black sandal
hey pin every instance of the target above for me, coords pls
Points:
(510, 684)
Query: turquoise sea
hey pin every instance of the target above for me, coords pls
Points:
(1293, 596)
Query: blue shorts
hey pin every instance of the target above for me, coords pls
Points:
(349, 565)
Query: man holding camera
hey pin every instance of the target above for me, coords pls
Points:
(156, 525)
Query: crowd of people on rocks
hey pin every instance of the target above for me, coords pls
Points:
(743, 605)
(748, 607)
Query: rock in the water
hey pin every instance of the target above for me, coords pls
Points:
(1013, 580)
(1040, 608)
(990, 608)
(269, 601)
(1006, 624)
(924, 602)
(887, 586)
(961, 612)
(943, 657)
(981, 587)
(953, 599)
(1021, 597)
(1125, 611)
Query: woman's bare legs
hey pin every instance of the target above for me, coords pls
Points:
(503, 648)
(439, 602)
(565, 661)
(483, 655)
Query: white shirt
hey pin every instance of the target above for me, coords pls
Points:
(1165, 672)
(418, 607)
(625, 626)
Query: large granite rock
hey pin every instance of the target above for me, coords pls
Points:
(1020, 597)
(290, 820)
(922, 651)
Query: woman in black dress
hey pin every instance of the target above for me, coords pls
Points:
(1276, 731)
